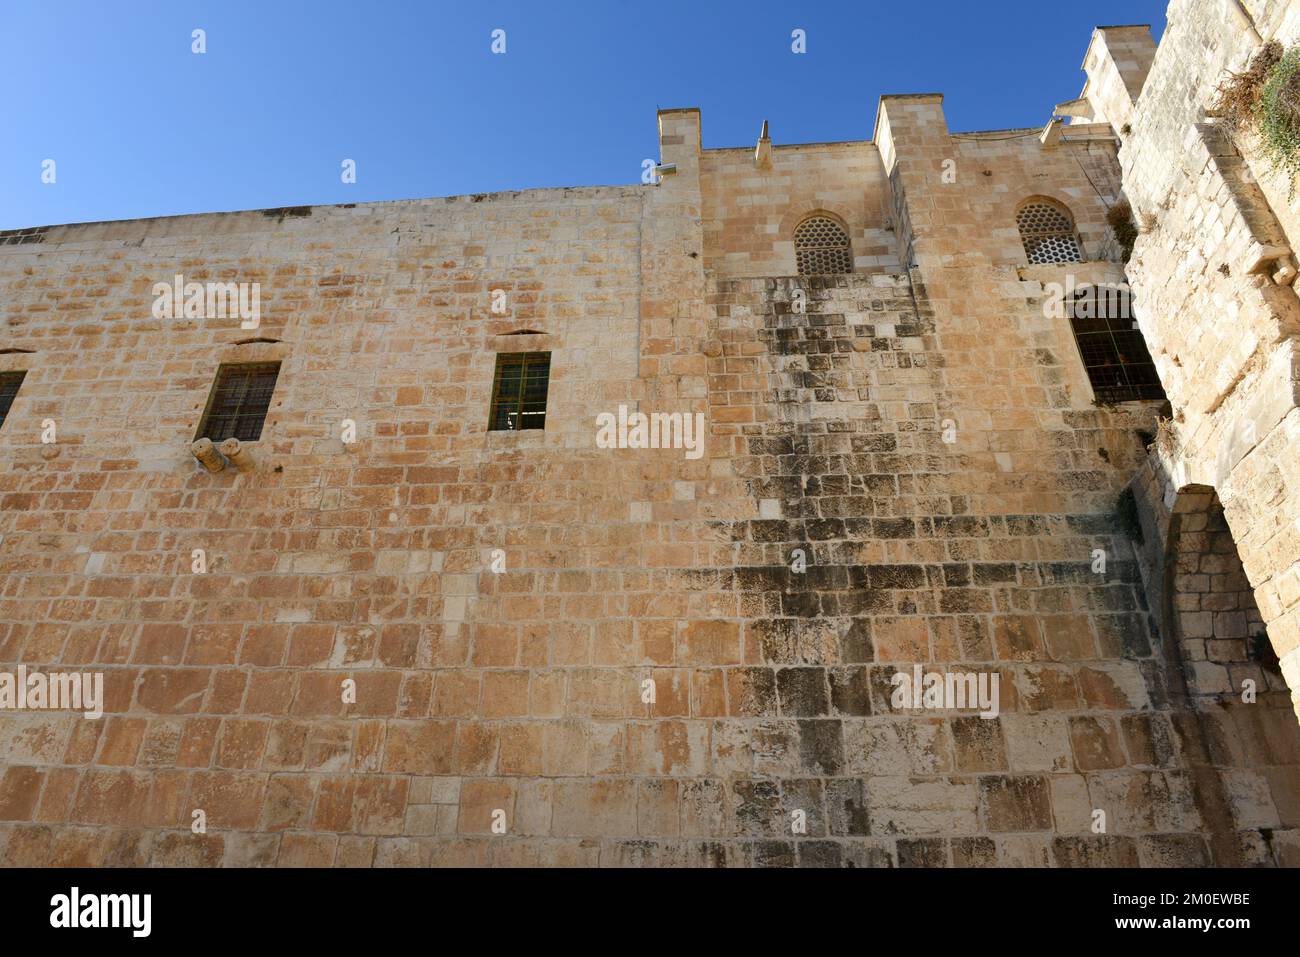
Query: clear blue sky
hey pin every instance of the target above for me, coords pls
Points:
(138, 125)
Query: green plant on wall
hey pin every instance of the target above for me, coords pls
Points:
(1265, 100)
(1279, 115)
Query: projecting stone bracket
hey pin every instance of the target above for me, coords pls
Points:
(208, 455)
(214, 459)
(1274, 261)
(239, 456)
(1078, 108)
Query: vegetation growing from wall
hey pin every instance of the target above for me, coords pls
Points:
(1279, 121)
(1120, 218)
(1237, 101)
(1265, 101)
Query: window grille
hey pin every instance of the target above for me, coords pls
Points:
(1114, 353)
(1047, 231)
(240, 399)
(519, 391)
(821, 246)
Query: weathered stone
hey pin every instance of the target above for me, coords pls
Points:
(434, 643)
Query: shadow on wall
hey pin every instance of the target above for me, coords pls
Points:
(1234, 718)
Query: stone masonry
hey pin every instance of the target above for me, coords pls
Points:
(905, 467)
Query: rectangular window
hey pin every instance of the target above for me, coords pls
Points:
(239, 402)
(519, 391)
(9, 385)
(1116, 357)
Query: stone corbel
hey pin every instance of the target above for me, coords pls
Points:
(208, 455)
(239, 456)
(1275, 261)
(1080, 108)
(215, 458)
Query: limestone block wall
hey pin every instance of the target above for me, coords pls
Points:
(1222, 329)
(915, 557)
(1012, 367)
(328, 562)
(847, 460)
(675, 658)
(750, 214)
(1244, 748)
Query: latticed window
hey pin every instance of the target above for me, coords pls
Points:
(519, 391)
(239, 402)
(1113, 350)
(821, 246)
(1047, 230)
(10, 382)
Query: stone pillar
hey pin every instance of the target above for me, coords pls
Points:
(674, 321)
(1117, 63)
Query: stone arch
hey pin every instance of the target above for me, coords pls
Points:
(823, 244)
(1213, 606)
(793, 217)
(1242, 751)
(1048, 231)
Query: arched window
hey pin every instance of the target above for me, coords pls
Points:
(822, 246)
(1047, 230)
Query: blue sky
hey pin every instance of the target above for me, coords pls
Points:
(138, 125)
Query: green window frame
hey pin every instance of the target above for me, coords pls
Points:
(519, 391)
(239, 401)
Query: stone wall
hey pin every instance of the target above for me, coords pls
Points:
(750, 215)
(1213, 300)
(681, 661)
(1233, 704)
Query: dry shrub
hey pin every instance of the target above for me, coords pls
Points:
(1265, 101)
(1238, 97)
(1120, 219)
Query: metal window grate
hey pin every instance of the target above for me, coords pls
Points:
(239, 402)
(1115, 356)
(1048, 234)
(821, 247)
(10, 382)
(519, 391)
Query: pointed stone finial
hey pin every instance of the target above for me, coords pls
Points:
(763, 152)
